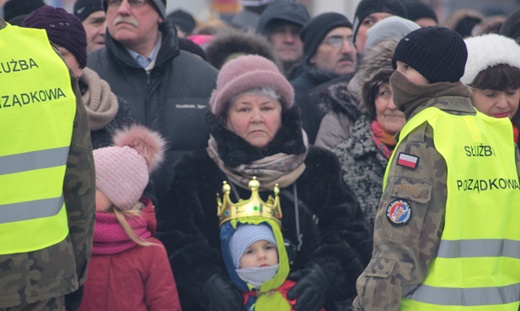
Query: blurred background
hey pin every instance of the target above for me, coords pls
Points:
(204, 10)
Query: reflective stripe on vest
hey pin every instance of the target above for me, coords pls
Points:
(37, 109)
(477, 266)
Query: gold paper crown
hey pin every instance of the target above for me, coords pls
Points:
(255, 206)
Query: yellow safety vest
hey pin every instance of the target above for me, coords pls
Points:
(477, 266)
(37, 108)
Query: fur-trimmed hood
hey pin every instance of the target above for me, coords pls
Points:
(227, 46)
(375, 69)
(337, 97)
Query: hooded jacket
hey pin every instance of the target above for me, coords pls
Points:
(170, 99)
(335, 234)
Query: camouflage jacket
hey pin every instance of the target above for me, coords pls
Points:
(402, 254)
(59, 269)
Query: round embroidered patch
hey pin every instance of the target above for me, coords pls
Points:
(398, 212)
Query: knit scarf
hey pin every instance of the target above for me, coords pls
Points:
(382, 139)
(100, 102)
(280, 168)
(110, 237)
(408, 96)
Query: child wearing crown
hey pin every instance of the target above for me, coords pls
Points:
(254, 252)
(129, 269)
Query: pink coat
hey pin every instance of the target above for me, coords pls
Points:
(138, 278)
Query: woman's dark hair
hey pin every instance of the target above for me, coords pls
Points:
(499, 78)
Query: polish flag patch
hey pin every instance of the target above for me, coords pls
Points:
(407, 160)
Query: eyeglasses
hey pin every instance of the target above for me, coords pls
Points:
(133, 3)
(337, 41)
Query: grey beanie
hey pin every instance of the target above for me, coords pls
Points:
(392, 27)
(244, 236)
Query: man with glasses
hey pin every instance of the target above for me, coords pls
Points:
(328, 53)
(167, 89)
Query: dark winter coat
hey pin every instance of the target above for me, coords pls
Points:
(336, 236)
(171, 98)
(308, 88)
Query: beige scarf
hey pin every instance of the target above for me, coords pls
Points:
(282, 169)
(100, 102)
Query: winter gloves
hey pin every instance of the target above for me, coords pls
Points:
(219, 294)
(310, 289)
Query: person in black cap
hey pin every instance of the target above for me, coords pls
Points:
(328, 53)
(281, 23)
(421, 13)
(183, 22)
(247, 19)
(432, 220)
(16, 10)
(369, 12)
(92, 15)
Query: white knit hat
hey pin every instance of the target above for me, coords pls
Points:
(487, 51)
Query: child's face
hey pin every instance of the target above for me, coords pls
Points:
(102, 202)
(259, 254)
(411, 74)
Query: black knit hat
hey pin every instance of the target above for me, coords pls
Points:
(282, 11)
(315, 30)
(367, 7)
(437, 53)
(63, 29)
(511, 26)
(417, 10)
(183, 20)
(83, 8)
(14, 8)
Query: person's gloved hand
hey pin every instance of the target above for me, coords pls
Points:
(219, 294)
(310, 288)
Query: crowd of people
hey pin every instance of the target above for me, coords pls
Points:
(275, 161)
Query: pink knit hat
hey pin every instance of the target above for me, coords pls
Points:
(123, 170)
(246, 73)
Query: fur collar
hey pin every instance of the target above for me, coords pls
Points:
(338, 98)
(234, 150)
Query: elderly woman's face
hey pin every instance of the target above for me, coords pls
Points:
(255, 117)
(387, 114)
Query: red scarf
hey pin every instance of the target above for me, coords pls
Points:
(515, 133)
(383, 140)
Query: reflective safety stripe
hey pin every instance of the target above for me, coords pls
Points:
(29, 210)
(480, 296)
(33, 160)
(479, 248)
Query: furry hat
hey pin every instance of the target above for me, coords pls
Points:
(463, 21)
(375, 69)
(231, 45)
(487, 51)
(390, 27)
(244, 236)
(123, 170)
(63, 29)
(246, 73)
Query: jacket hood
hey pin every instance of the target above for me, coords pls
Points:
(227, 230)
(375, 69)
